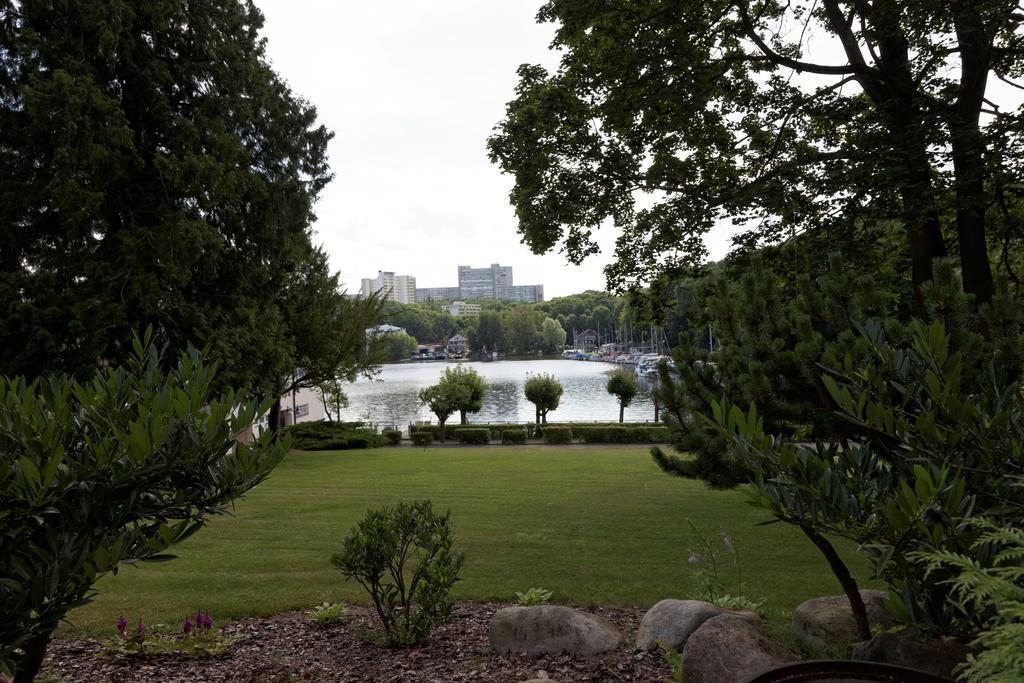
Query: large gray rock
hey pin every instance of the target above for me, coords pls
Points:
(825, 626)
(550, 629)
(936, 656)
(672, 621)
(730, 649)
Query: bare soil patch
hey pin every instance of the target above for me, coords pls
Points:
(291, 647)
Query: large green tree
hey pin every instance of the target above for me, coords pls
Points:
(155, 170)
(824, 115)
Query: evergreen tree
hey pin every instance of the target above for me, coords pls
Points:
(155, 170)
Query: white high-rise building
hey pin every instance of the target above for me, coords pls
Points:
(400, 288)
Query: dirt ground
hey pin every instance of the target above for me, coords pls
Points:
(291, 647)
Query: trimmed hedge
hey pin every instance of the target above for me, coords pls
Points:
(423, 438)
(513, 436)
(587, 432)
(393, 436)
(557, 434)
(333, 436)
(622, 434)
(474, 435)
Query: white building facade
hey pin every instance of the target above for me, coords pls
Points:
(459, 308)
(400, 288)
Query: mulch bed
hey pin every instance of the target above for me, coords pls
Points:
(291, 647)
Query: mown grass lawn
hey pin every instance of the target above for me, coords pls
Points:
(594, 525)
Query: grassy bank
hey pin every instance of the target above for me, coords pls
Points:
(595, 525)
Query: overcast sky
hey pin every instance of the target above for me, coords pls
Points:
(411, 90)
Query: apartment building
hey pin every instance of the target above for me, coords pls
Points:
(400, 288)
(458, 308)
(493, 282)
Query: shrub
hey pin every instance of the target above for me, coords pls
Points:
(117, 469)
(422, 438)
(513, 436)
(403, 557)
(993, 589)
(433, 430)
(473, 435)
(621, 433)
(333, 436)
(393, 436)
(557, 434)
(327, 613)
(534, 596)
(931, 453)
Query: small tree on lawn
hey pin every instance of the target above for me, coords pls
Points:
(544, 391)
(443, 399)
(334, 398)
(622, 385)
(475, 386)
(114, 470)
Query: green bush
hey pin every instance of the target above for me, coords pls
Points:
(333, 436)
(932, 453)
(557, 434)
(513, 436)
(473, 435)
(422, 438)
(393, 436)
(621, 434)
(403, 557)
(114, 470)
(433, 430)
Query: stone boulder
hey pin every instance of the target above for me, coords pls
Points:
(551, 629)
(672, 621)
(825, 627)
(936, 656)
(730, 649)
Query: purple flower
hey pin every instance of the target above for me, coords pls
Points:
(207, 621)
(122, 626)
(186, 626)
(141, 628)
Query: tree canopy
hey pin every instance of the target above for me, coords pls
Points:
(779, 117)
(155, 170)
(471, 385)
(544, 392)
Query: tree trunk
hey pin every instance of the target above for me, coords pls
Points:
(622, 413)
(274, 417)
(32, 660)
(538, 413)
(968, 166)
(544, 417)
(860, 612)
(440, 432)
(893, 91)
(462, 417)
(974, 40)
(920, 215)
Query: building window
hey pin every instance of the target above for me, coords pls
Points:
(302, 411)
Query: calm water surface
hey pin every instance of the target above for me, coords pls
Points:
(392, 397)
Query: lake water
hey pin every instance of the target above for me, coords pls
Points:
(391, 398)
